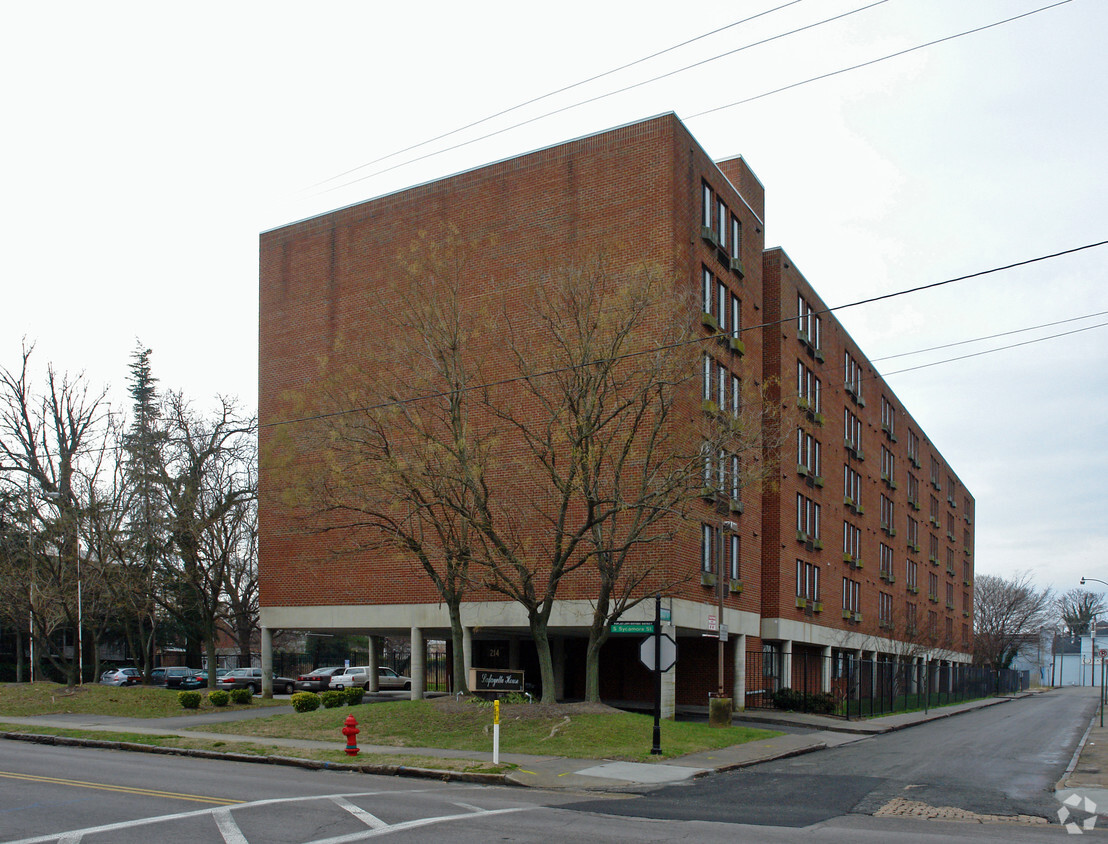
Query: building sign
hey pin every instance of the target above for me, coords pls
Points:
(495, 680)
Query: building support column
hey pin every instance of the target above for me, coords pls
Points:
(419, 664)
(267, 662)
(372, 666)
(738, 693)
(786, 679)
(825, 671)
(467, 655)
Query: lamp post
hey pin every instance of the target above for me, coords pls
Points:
(1092, 635)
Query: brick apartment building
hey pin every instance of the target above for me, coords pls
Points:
(858, 543)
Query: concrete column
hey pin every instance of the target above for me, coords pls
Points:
(558, 656)
(467, 656)
(825, 671)
(738, 693)
(267, 662)
(513, 653)
(419, 672)
(371, 664)
(786, 678)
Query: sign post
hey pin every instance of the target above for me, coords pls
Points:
(656, 748)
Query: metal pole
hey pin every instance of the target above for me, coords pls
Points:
(31, 587)
(719, 610)
(656, 749)
(80, 616)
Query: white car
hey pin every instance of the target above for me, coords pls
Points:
(358, 675)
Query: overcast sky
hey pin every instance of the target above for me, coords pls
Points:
(148, 144)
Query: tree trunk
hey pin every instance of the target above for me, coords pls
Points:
(19, 666)
(598, 635)
(461, 682)
(542, 649)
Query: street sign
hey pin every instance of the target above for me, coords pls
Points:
(633, 627)
(723, 632)
(1103, 653)
(668, 650)
(666, 614)
(713, 624)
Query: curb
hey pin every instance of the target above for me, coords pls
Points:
(290, 761)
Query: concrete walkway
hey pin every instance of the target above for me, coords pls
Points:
(559, 772)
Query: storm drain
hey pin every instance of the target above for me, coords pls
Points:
(898, 807)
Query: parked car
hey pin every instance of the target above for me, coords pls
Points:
(121, 677)
(358, 675)
(389, 679)
(197, 680)
(316, 680)
(157, 676)
(251, 678)
(179, 677)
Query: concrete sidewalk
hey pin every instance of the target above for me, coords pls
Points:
(1087, 774)
(558, 772)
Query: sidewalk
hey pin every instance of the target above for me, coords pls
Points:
(534, 771)
(1087, 773)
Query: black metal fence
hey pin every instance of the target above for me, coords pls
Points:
(850, 687)
(290, 664)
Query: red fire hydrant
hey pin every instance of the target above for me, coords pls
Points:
(350, 730)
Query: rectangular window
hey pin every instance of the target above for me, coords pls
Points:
(709, 369)
(736, 395)
(852, 487)
(852, 426)
(707, 548)
(950, 560)
(950, 596)
(913, 533)
(885, 609)
(851, 595)
(887, 467)
(709, 282)
(967, 509)
(853, 372)
(887, 516)
(807, 580)
(935, 512)
(808, 452)
(722, 380)
(935, 474)
(808, 323)
(722, 216)
(706, 205)
(913, 448)
(807, 516)
(913, 490)
(933, 586)
(911, 574)
(736, 237)
(967, 540)
(933, 550)
(910, 618)
(807, 387)
(736, 478)
(886, 561)
(736, 316)
(852, 541)
(888, 418)
(721, 306)
(966, 572)
(734, 556)
(950, 488)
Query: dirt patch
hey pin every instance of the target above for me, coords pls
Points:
(524, 711)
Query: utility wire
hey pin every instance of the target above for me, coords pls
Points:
(598, 97)
(555, 92)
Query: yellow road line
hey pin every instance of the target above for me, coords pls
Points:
(122, 789)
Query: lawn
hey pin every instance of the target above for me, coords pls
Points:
(566, 730)
(28, 700)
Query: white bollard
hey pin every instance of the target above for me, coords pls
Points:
(496, 732)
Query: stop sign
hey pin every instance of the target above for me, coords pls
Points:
(668, 651)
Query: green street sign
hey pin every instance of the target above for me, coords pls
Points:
(633, 627)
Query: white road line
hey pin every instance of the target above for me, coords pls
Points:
(360, 813)
(199, 813)
(228, 828)
(71, 838)
(406, 825)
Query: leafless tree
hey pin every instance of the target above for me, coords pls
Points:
(1078, 607)
(1008, 614)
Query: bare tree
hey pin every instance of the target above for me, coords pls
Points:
(240, 575)
(15, 570)
(1077, 609)
(1008, 614)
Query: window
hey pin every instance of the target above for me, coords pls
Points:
(950, 596)
(852, 488)
(935, 474)
(885, 609)
(886, 562)
(808, 453)
(967, 509)
(888, 418)
(950, 560)
(933, 550)
(736, 395)
(736, 478)
(807, 387)
(722, 216)
(709, 281)
(807, 518)
(852, 427)
(721, 305)
(932, 623)
(710, 549)
(736, 316)
(950, 487)
(853, 372)
(733, 556)
(913, 491)
(932, 587)
(721, 387)
(965, 602)
(966, 572)
(736, 238)
(808, 326)
(851, 595)
(935, 512)
(913, 448)
(706, 205)
(911, 575)
(807, 580)
(913, 534)
(887, 515)
(910, 618)
(707, 548)
(967, 540)
(852, 541)
(887, 467)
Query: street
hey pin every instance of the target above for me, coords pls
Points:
(1002, 760)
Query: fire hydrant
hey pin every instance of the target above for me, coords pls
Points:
(350, 730)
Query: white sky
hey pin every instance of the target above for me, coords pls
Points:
(146, 145)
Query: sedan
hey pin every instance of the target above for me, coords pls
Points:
(181, 678)
(121, 677)
(389, 679)
(251, 678)
(316, 680)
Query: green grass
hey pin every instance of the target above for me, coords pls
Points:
(28, 700)
(618, 735)
(260, 749)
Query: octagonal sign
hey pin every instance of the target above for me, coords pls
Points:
(668, 652)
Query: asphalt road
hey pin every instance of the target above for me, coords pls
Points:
(999, 760)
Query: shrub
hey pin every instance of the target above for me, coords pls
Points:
(242, 696)
(820, 703)
(333, 698)
(354, 696)
(189, 700)
(218, 697)
(305, 702)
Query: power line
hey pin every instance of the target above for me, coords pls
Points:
(680, 344)
(555, 92)
(595, 99)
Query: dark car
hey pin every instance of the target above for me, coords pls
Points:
(197, 680)
(121, 677)
(251, 678)
(177, 675)
(316, 680)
